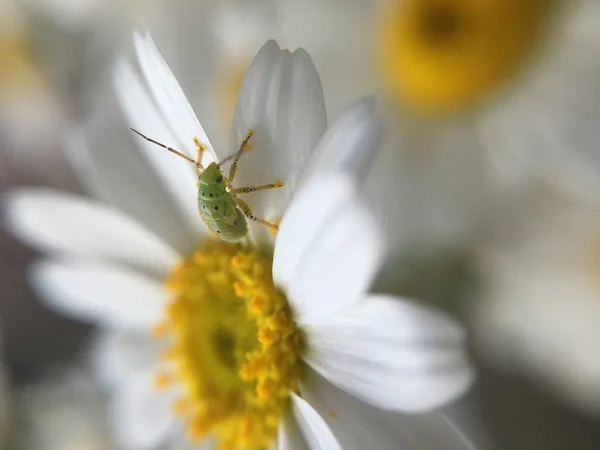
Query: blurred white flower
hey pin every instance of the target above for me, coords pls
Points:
(540, 308)
(73, 14)
(63, 411)
(336, 33)
(367, 356)
(486, 97)
(30, 111)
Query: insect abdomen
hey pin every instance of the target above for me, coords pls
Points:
(223, 218)
(232, 233)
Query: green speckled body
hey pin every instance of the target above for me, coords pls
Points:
(218, 208)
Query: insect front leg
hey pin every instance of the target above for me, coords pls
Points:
(264, 187)
(248, 213)
(243, 147)
(200, 148)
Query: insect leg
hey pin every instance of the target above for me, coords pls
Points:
(264, 187)
(243, 147)
(248, 213)
(199, 151)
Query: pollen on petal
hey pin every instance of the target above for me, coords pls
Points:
(169, 354)
(160, 329)
(180, 407)
(162, 380)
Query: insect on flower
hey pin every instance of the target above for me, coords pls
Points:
(218, 203)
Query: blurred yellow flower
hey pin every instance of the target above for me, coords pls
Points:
(443, 55)
(487, 98)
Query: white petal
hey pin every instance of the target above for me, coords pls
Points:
(438, 178)
(350, 143)
(115, 355)
(171, 100)
(106, 295)
(113, 169)
(296, 233)
(328, 249)
(141, 415)
(59, 222)
(392, 354)
(177, 174)
(305, 429)
(359, 426)
(179, 440)
(77, 150)
(281, 99)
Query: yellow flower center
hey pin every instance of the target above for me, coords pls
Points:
(235, 347)
(442, 55)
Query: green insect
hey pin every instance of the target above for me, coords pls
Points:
(218, 203)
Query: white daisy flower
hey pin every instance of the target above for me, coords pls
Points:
(540, 310)
(257, 347)
(487, 96)
(251, 342)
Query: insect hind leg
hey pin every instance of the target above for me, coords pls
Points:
(264, 187)
(248, 213)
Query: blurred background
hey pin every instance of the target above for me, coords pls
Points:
(55, 63)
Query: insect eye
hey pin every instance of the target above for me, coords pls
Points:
(218, 179)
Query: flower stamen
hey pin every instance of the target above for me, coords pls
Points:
(235, 348)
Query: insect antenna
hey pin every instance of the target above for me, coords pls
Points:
(166, 147)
